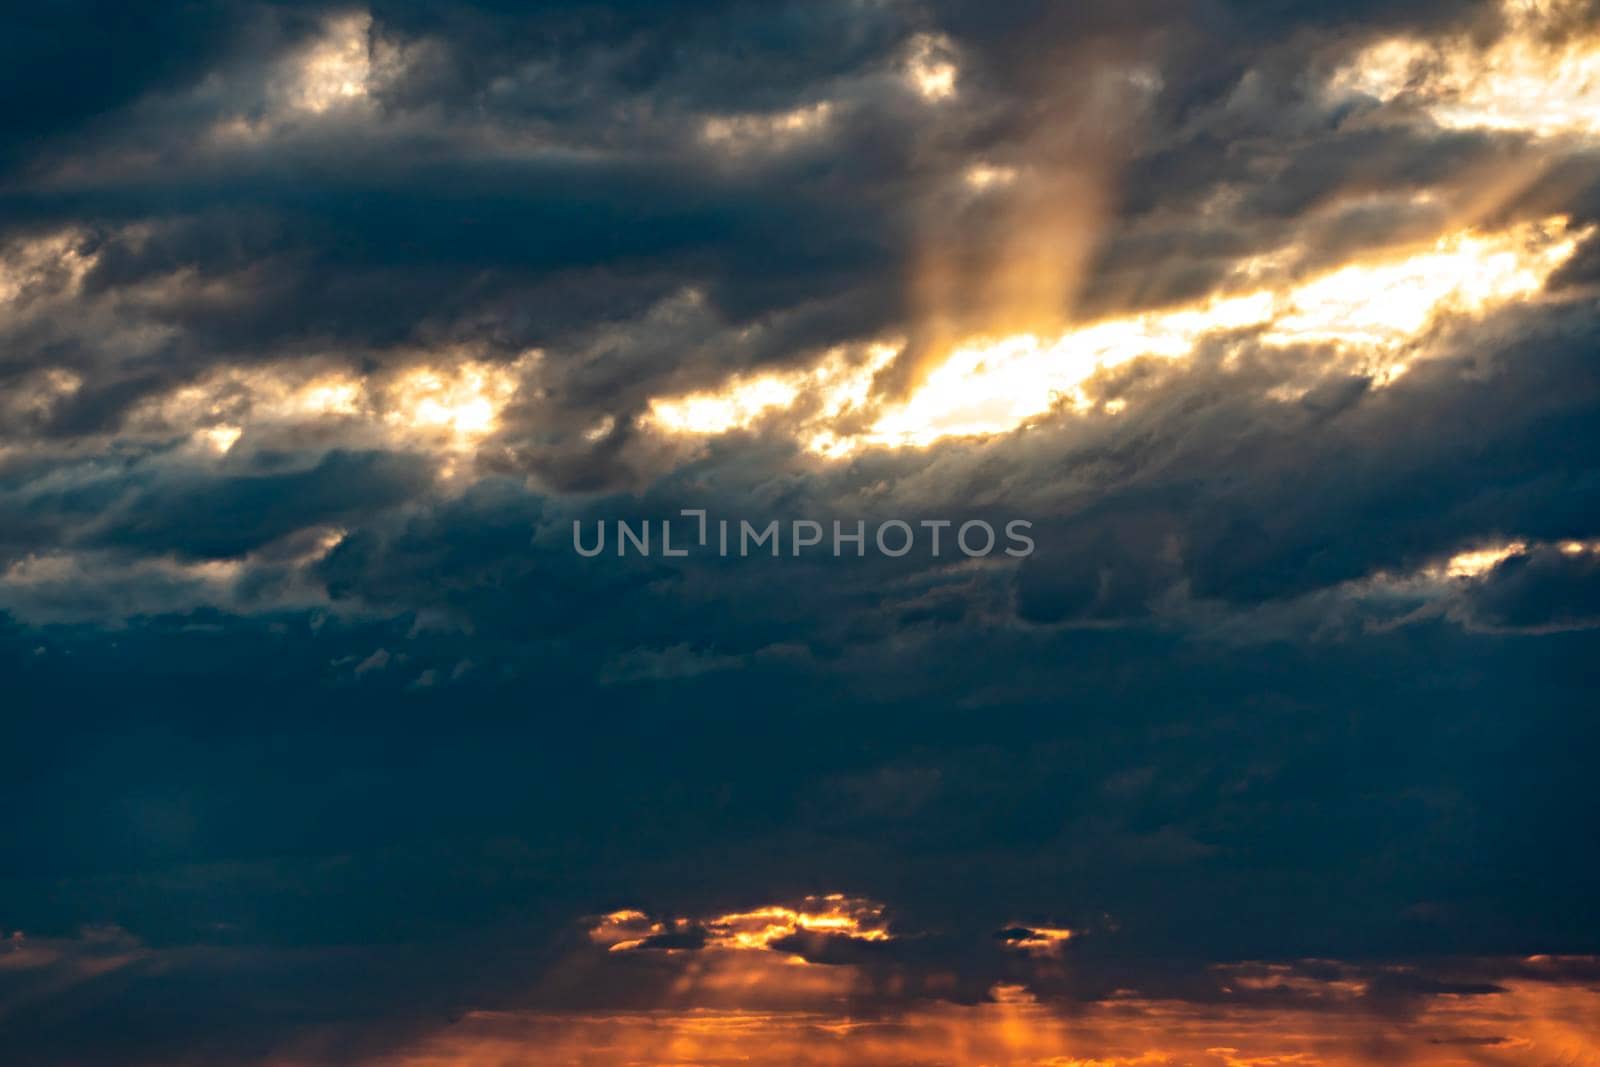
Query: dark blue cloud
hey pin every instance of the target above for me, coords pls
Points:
(323, 736)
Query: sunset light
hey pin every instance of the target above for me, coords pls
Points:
(1541, 76)
(1362, 316)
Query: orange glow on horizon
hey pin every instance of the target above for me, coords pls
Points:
(1528, 1023)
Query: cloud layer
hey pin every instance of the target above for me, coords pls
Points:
(321, 326)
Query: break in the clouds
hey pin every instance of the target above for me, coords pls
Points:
(322, 325)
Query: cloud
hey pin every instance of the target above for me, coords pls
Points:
(321, 326)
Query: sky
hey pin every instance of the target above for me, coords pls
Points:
(332, 337)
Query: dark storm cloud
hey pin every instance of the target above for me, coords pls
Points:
(317, 746)
(1549, 589)
(1206, 490)
(69, 64)
(144, 509)
(230, 517)
(285, 821)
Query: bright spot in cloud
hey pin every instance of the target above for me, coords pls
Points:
(1387, 303)
(837, 386)
(1481, 561)
(1037, 941)
(1440, 579)
(54, 264)
(930, 67)
(737, 133)
(1529, 79)
(445, 404)
(338, 67)
(230, 399)
(734, 407)
(991, 386)
(833, 914)
(336, 395)
(757, 929)
(464, 400)
(327, 540)
(982, 176)
(220, 438)
(1365, 312)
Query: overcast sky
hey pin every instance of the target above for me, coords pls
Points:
(322, 326)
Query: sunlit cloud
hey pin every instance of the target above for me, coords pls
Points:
(36, 395)
(1479, 561)
(232, 397)
(833, 914)
(764, 132)
(1441, 577)
(836, 914)
(335, 77)
(837, 387)
(1539, 76)
(448, 405)
(1365, 315)
(336, 394)
(54, 264)
(1038, 941)
(1437, 584)
(338, 67)
(931, 67)
(982, 176)
(220, 438)
(734, 407)
(464, 401)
